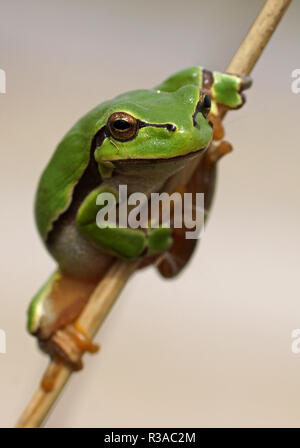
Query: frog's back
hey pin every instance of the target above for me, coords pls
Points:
(64, 170)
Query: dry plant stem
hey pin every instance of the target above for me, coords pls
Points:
(257, 37)
(110, 287)
(104, 296)
(42, 402)
(90, 320)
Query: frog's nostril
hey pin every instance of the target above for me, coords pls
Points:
(171, 127)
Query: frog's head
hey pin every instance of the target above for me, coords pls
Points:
(162, 123)
(168, 121)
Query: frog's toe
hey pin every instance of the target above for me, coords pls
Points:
(159, 240)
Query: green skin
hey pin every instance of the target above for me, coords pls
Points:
(157, 150)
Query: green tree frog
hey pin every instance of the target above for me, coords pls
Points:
(141, 139)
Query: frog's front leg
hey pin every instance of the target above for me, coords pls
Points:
(123, 242)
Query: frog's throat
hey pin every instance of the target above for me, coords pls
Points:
(146, 166)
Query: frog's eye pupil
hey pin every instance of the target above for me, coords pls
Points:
(122, 126)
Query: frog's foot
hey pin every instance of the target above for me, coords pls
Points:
(67, 346)
(216, 151)
(122, 242)
(118, 241)
(159, 240)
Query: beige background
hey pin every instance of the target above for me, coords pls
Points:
(212, 348)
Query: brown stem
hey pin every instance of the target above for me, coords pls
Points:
(112, 284)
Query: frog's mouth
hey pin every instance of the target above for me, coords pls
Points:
(148, 166)
(160, 160)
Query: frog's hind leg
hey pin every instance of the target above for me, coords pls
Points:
(52, 318)
(58, 303)
(170, 263)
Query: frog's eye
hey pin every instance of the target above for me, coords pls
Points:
(206, 105)
(122, 126)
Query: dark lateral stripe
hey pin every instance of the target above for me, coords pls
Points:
(98, 138)
(169, 126)
(102, 134)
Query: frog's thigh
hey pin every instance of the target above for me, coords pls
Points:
(121, 242)
(58, 303)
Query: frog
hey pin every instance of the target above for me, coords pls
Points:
(142, 139)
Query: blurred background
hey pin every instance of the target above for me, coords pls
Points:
(213, 347)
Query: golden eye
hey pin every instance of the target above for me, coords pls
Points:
(122, 126)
